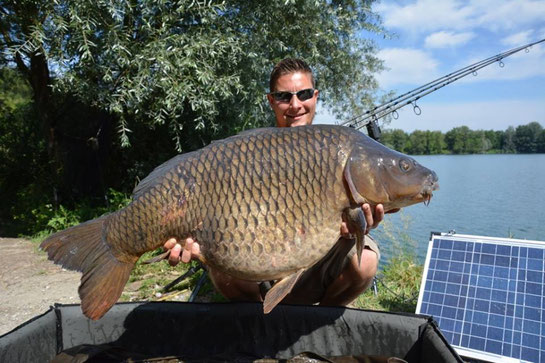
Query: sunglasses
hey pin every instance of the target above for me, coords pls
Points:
(302, 95)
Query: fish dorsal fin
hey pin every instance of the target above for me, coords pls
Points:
(356, 197)
(280, 290)
(156, 175)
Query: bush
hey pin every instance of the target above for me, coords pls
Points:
(45, 219)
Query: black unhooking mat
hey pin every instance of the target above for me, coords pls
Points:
(234, 332)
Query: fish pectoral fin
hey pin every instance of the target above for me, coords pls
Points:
(280, 290)
(355, 219)
(162, 256)
(356, 197)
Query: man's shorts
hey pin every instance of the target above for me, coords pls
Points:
(312, 285)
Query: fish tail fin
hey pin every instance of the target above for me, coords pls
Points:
(84, 248)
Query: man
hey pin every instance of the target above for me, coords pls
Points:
(338, 278)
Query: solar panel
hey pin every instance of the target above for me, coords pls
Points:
(487, 295)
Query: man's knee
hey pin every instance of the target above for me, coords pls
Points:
(364, 273)
(234, 289)
(369, 261)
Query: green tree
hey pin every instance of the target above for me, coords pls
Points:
(526, 137)
(456, 139)
(494, 138)
(508, 141)
(196, 67)
(476, 142)
(395, 139)
(541, 142)
(418, 143)
(171, 76)
(436, 142)
(22, 151)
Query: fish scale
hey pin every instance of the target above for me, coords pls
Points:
(255, 208)
(264, 205)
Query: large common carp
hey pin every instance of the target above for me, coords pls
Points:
(264, 205)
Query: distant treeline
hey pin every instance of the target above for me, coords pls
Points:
(524, 139)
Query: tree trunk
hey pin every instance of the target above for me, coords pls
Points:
(39, 78)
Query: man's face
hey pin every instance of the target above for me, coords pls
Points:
(295, 112)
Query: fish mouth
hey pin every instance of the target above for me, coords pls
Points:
(427, 199)
(427, 191)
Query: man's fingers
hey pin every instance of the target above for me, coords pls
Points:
(378, 215)
(368, 213)
(174, 256)
(195, 249)
(373, 216)
(186, 256)
(186, 252)
(170, 244)
(344, 230)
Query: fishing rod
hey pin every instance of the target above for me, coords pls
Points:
(370, 118)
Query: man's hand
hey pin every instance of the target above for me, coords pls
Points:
(373, 217)
(190, 251)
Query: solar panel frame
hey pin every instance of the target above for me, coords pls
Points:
(487, 295)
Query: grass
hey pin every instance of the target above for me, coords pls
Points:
(397, 287)
(147, 282)
(398, 280)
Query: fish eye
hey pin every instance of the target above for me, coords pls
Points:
(404, 165)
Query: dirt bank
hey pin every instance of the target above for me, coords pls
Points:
(30, 284)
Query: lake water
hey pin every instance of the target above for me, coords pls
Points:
(486, 195)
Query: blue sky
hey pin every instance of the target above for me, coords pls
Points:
(432, 38)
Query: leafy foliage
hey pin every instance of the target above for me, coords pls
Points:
(22, 158)
(162, 76)
(528, 138)
(169, 76)
(46, 219)
(200, 66)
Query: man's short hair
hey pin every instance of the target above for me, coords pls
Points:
(288, 66)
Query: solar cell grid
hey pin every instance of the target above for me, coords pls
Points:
(487, 294)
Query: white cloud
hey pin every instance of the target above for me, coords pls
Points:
(521, 65)
(431, 15)
(406, 66)
(512, 14)
(425, 15)
(523, 37)
(445, 39)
